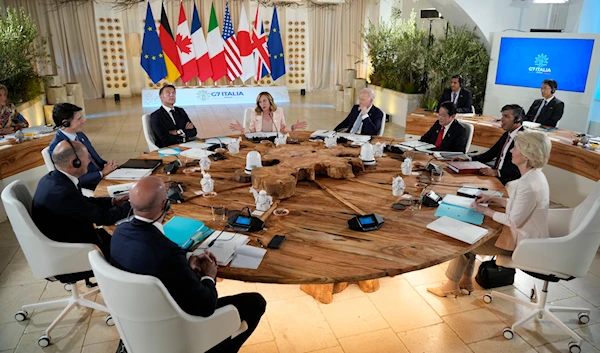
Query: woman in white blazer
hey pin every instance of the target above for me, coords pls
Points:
(526, 211)
(266, 117)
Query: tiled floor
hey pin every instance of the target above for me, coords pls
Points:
(400, 317)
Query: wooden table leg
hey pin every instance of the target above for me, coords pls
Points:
(323, 293)
(369, 286)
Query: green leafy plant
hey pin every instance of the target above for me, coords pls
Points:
(397, 53)
(460, 52)
(21, 52)
(429, 103)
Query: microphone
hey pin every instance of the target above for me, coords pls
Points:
(273, 123)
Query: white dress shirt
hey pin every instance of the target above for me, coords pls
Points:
(72, 178)
(526, 210)
(170, 114)
(511, 137)
(71, 137)
(161, 229)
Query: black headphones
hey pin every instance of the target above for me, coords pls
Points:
(461, 80)
(76, 162)
(166, 209)
(66, 123)
(518, 113)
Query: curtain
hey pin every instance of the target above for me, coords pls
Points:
(72, 42)
(335, 43)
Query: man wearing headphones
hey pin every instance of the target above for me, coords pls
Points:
(457, 94)
(500, 153)
(140, 246)
(60, 210)
(70, 121)
(548, 110)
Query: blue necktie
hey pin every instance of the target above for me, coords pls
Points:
(357, 124)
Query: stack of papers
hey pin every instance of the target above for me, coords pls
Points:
(354, 137)
(473, 191)
(128, 174)
(458, 230)
(196, 153)
(119, 190)
(220, 140)
(416, 145)
(225, 246)
(168, 152)
(248, 257)
(323, 133)
(260, 135)
(459, 208)
(444, 156)
(195, 144)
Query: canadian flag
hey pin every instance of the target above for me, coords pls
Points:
(185, 48)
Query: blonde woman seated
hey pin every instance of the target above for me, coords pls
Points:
(10, 119)
(526, 211)
(266, 117)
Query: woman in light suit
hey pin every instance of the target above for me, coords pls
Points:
(526, 211)
(266, 117)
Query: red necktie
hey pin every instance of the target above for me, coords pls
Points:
(440, 137)
(501, 151)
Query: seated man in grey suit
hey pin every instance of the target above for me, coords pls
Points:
(549, 109)
(170, 124)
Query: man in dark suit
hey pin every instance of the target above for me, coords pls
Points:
(500, 153)
(70, 120)
(140, 246)
(548, 110)
(364, 118)
(62, 213)
(447, 134)
(457, 94)
(170, 124)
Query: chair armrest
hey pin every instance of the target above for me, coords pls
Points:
(558, 221)
(206, 332)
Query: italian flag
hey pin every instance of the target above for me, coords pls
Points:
(216, 51)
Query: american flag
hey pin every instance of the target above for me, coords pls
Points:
(261, 51)
(232, 52)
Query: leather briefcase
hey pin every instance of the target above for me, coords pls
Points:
(491, 275)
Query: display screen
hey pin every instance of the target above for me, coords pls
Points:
(526, 62)
(243, 220)
(365, 221)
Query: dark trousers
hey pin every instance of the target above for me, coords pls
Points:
(103, 242)
(251, 307)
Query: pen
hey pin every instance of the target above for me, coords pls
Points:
(475, 187)
(120, 192)
(260, 243)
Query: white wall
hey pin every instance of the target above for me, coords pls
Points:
(577, 105)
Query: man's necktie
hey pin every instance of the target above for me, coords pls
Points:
(440, 137)
(542, 106)
(173, 117)
(357, 124)
(454, 97)
(502, 154)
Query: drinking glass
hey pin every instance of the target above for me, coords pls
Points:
(436, 176)
(219, 213)
(415, 204)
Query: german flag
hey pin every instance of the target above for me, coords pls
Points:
(169, 48)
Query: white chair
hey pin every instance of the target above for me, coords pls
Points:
(382, 128)
(148, 134)
(470, 130)
(567, 254)
(50, 166)
(247, 115)
(47, 159)
(157, 323)
(48, 259)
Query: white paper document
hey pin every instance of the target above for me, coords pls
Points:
(323, 133)
(417, 144)
(128, 174)
(459, 201)
(194, 144)
(224, 247)
(221, 140)
(196, 153)
(248, 257)
(119, 190)
(168, 152)
(446, 156)
(355, 137)
(457, 229)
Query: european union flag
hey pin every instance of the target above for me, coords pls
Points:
(276, 48)
(152, 60)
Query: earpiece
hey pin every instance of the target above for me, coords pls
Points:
(518, 112)
(66, 123)
(461, 80)
(76, 162)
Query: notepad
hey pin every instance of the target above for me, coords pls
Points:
(444, 156)
(119, 189)
(354, 137)
(248, 257)
(224, 247)
(128, 174)
(196, 153)
(219, 140)
(195, 144)
(457, 229)
(186, 232)
(323, 133)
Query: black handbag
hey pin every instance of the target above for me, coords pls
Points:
(491, 275)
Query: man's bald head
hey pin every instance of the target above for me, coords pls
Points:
(147, 197)
(64, 155)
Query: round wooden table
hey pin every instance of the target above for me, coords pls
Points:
(320, 251)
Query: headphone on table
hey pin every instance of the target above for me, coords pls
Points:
(76, 162)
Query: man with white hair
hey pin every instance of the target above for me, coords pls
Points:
(364, 118)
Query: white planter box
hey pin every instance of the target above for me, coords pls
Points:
(396, 104)
(33, 111)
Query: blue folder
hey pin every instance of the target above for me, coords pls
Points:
(186, 232)
(461, 213)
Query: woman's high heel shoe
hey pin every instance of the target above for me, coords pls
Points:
(468, 287)
(443, 293)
